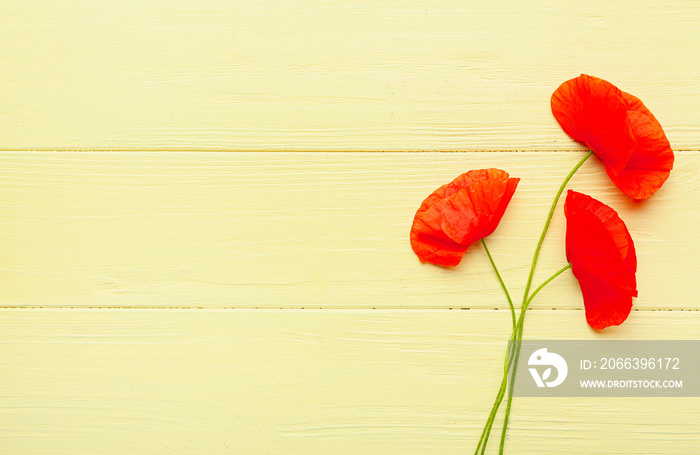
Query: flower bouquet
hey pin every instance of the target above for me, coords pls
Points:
(637, 156)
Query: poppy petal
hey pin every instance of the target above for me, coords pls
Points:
(603, 259)
(474, 211)
(651, 160)
(430, 243)
(593, 111)
(460, 213)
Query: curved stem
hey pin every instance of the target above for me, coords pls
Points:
(518, 340)
(500, 280)
(539, 288)
(526, 295)
(513, 350)
(499, 398)
(501, 391)
(549, 220)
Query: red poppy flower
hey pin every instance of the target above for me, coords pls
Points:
(621, 131)
(602, 257)
(460, 213)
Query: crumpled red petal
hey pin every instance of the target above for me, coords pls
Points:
(603, 260)
(459, 214)
(620, 129)
(651, 160)
(593, 111)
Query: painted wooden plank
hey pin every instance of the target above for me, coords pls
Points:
(304, 230)
(307, 381)
(331, 75)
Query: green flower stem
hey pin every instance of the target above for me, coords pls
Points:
(487, 429)
(517, 353)
(513, 350)
(500, 280)
(494, 409)
(539, 288)
(526, 295)
(515, 336)
(549, 220)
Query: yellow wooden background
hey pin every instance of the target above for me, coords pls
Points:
(202, 249)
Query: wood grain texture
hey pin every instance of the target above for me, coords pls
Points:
(151, 297)
(331, 75)
(307, 382)
(304, 230)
